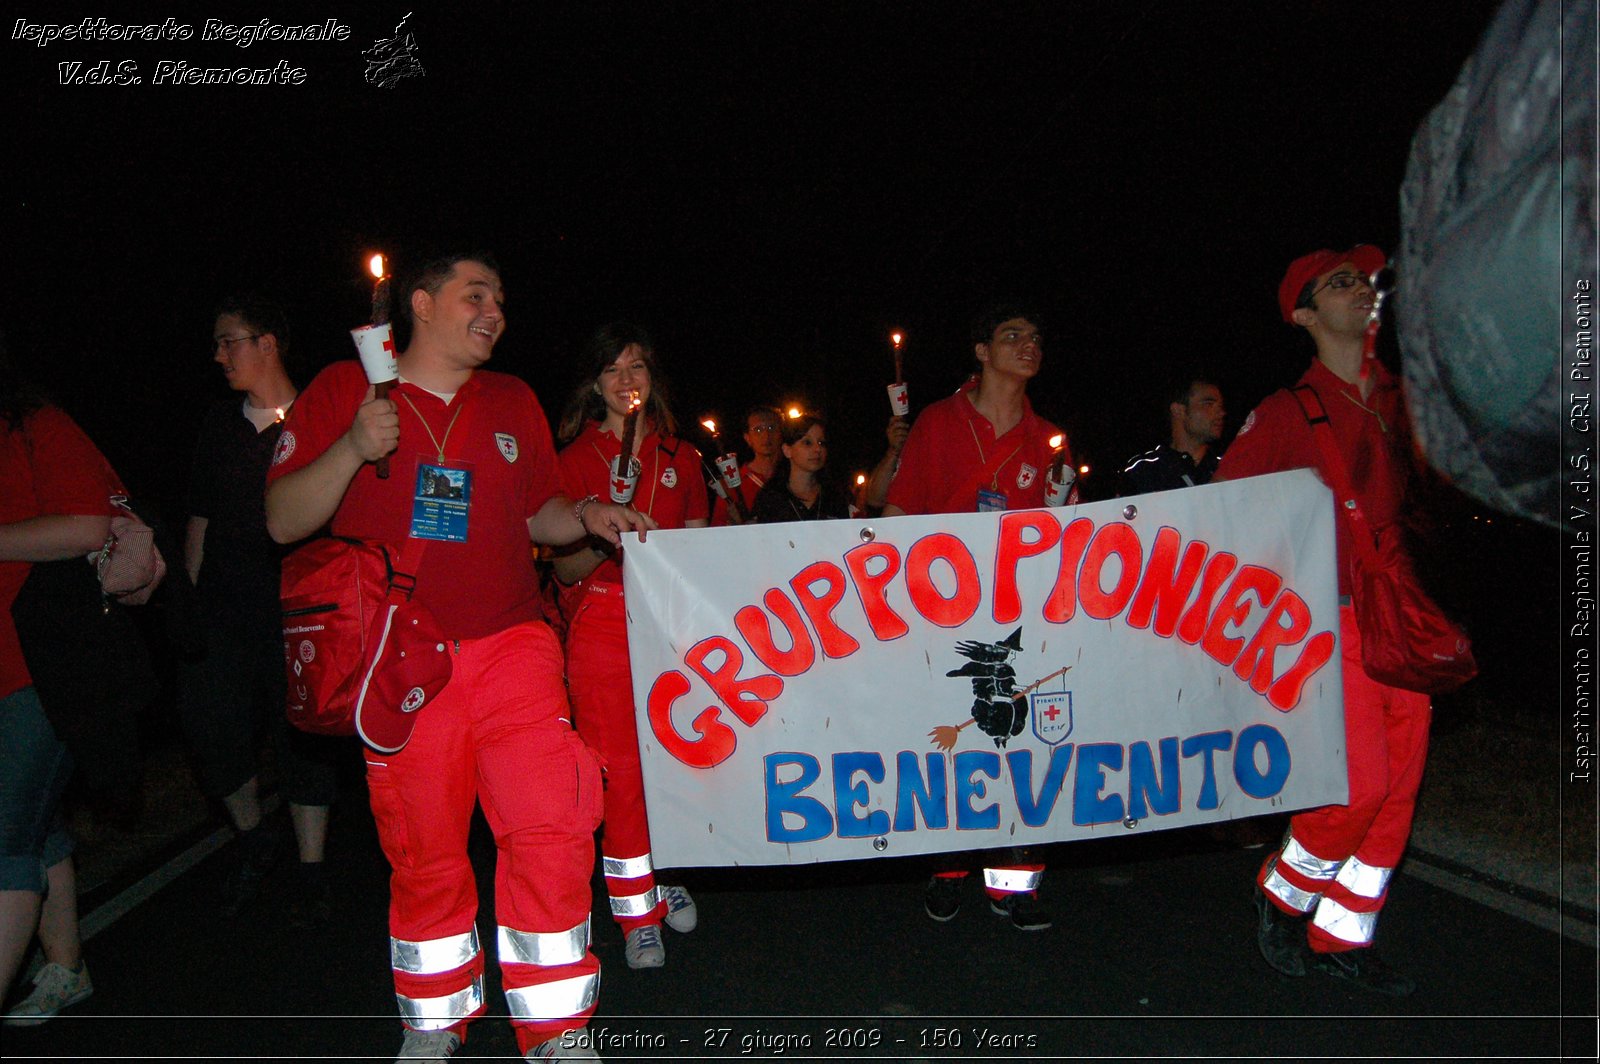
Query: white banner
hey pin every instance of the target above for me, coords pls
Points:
(823, 691)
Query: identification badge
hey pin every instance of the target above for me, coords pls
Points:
(990, 501)
(442, 503)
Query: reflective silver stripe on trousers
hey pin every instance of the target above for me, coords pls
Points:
(437, 1013)
(548, 950)
(554, 1001)
(1352, 927)
(1366, 880)
(434, 955)
(1306, 863)
(1011, 880)
(636, 904)
(1291, 895)
(627, 867)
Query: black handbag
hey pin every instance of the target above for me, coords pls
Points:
(91, 667)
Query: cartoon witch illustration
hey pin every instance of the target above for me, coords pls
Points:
(998, 708)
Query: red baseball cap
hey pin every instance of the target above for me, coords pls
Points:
(411, 666)
(1368, 258)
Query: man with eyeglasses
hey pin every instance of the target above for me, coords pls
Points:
(235, 684)
(763, 433)
(984, 449)
(1320, 894)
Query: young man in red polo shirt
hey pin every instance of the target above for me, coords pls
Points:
(500, 731)
(981, 449)
(1336, 862)
(763, 432)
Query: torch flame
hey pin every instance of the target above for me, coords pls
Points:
(896, 338)
(1084, 470)
(711, 426)
(376, 266)
(1057, 440)
(794, 413)
(633, 401)
(861, 478)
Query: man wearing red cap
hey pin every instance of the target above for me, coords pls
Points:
(500, 732)
(1320, 894)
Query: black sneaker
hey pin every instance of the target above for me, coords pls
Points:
(1280, 937)
(942, 898)
(1365, 969)
(312, 907)
(255, 853)
(1025, 910)
(241, 889)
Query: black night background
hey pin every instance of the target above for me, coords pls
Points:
(771, 188)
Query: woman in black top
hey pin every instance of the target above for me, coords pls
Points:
(798, 489)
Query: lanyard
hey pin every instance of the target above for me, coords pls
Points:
(994, 482)
(1382, 425)
(438, 444)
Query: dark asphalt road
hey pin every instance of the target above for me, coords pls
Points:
(1152, 954)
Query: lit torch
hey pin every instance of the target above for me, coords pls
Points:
(899, 400)
(375, 344)
(726, 479)
(1058, 485)
(380, 289)
(625, 471)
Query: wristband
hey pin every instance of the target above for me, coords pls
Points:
(582, 505)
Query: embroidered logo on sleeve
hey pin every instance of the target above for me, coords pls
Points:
(1025, 476)
(1249, 423)
(669, 477)
(507, 444)
(285, 448)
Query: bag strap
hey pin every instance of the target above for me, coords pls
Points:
(1337, 473)
(403, 570)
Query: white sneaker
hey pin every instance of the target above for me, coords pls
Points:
(54, 988)
(568, 1045)
(432, 1046)
(643, 947)
(682, 916)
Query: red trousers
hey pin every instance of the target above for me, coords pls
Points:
(602, 700)
(497, 735)
(1000, 880)
(1337, 860)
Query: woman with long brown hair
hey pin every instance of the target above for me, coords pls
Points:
(621, 379)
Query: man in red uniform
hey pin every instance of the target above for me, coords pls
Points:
(1336, 862)
(500, 731)
(984, 449)
(763, 431)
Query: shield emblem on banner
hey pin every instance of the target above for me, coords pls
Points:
(1052, 716)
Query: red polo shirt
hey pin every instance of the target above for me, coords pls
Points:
(951, 443)
(487, 583)
(670, 487)
(50, 467)
(1372, 435)
(750, 483)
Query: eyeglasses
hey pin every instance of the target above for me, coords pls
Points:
(1341, 281)
(226, 342)
(763, 430)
